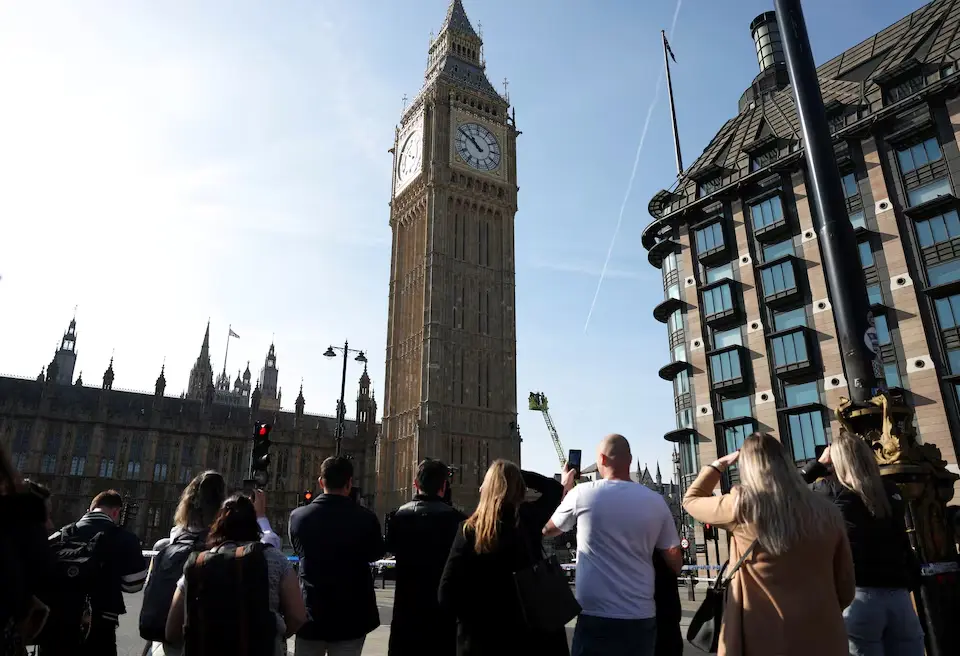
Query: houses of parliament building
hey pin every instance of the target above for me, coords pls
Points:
(79, 439)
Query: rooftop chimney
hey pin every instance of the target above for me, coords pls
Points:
(766, 37)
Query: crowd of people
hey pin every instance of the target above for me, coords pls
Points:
(827, 567)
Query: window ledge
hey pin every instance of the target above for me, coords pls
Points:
(932, 207)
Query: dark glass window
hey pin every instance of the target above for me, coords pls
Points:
(713, 274)
(874, 295)
(906, 88)
(689, 462)
(675, 322)
(891, 374)
(948, 311)
(939, 187)
(681, 384)
(733, 436)
(722, 338)
(789, 319)
(717, 300)
(937, 229)
(707, 187)
(789, 349)
(766, 213)
(917, 155)
(806, 433)
(800, 394)
(709, 238)
(734, 408)
(941, 274)
(858, 219)
(725, 366)
(883, 331)
(866, 254)
(850, 188)
(765, 158)
(779, 249)
(778, 278)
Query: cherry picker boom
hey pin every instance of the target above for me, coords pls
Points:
(538, 402)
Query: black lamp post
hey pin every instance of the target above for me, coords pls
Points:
(331, 352)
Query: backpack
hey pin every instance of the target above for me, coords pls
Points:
(228, 604)
(78, 569)
(165, 570)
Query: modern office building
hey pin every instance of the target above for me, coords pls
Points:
(752, 339)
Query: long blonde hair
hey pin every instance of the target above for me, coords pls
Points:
(502, 485)
(200, 501)
(773, 498)
(857, 470)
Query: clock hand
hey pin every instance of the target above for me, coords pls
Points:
(474, 141)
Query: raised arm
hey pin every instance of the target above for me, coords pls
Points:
(703, 506)
(551, 493)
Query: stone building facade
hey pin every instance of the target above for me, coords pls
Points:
(752, 338)
(79, 440)
(451, 335)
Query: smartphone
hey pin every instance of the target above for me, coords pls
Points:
(574, 459)
(249, 488)
(818, 451)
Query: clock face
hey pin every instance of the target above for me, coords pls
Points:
(477, 146)
(410, 155)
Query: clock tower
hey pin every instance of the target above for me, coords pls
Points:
(451, 376)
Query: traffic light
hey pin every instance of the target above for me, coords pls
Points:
(306, 498)
(260, 456)
(709, 532)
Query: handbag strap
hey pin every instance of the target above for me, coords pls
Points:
(729, 574)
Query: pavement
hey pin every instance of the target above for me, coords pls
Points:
(129, 642)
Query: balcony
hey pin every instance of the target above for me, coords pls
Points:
(680, 435)
(663, 311)
(670, 371)
(729, 368)
(660, 250)
(792, 352)
(720, 302)
(779, 281)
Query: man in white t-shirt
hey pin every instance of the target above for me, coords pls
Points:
(619, 525)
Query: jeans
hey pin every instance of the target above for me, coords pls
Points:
(602, 636)
(323, 648)
(882, 622)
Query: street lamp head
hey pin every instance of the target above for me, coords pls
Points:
(329, 353)
(361, 357)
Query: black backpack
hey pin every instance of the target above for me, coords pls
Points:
(228, 603)
(165, 570)
(78, 570)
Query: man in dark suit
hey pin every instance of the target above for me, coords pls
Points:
(419, 534)
(336, 540)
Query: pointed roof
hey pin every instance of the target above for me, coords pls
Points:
(205, 348)
(457, 19)
(364, 377)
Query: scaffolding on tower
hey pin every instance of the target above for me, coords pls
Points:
(538, 402)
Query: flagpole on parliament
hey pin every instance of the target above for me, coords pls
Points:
(225, 353)
(667, 53)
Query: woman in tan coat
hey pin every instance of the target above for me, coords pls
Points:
(788, 596)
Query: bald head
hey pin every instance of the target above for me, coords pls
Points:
(613, 457)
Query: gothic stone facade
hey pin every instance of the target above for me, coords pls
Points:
(80, 440)
(451, 336)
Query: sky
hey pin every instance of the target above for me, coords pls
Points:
(162, 164)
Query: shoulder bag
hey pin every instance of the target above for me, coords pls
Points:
(546, 600)
(704, 630)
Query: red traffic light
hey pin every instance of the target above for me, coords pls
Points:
(263, 430)
(308, 496)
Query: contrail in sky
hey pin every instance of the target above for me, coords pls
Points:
(633, 174)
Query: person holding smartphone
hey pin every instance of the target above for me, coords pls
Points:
(620, 525)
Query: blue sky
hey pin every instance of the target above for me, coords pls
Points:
(163, 163)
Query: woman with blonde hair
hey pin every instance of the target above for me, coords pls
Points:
(788, 596)
(501, 537)
(881, 620)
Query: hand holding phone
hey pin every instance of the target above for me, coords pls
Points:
(574, 459)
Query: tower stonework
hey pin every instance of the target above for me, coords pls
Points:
(451, 334)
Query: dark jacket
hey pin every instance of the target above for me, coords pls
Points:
(479, 588)
(24, 556)
(667, 596)
(419, 535)
(882, 556)
(126, 568)
(336, 540)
